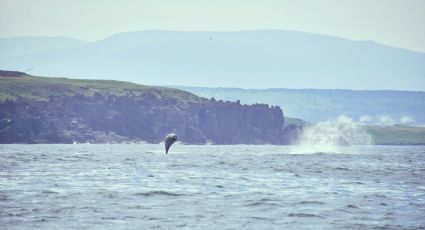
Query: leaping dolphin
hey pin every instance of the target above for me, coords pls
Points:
(169, 140)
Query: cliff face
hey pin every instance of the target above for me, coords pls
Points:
(135, 114)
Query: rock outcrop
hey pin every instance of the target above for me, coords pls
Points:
(5, 73)
(135, 114)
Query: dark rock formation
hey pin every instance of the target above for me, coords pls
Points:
(104, 117)
(6, 73)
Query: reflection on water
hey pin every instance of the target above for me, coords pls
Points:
(210, 187)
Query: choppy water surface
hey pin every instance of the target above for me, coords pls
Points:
(210, 187)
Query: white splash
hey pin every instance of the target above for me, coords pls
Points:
(331, 136)
(365, 119)
(386, 120)
(406, 120)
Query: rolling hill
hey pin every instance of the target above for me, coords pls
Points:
(243, 59)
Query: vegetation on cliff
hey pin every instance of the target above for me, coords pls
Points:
(59, 110)
(397, 135)
(18, 85)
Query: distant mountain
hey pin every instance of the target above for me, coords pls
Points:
(15, 47)
(245, 59)
(373, 107)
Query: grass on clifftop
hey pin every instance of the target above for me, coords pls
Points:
(41, 88)
(397, 135)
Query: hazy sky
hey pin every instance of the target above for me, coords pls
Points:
(399, 23)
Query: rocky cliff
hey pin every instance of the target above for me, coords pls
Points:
(59, 110)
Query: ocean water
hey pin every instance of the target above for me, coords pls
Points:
(137, 186)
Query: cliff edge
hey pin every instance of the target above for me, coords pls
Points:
(59, 110)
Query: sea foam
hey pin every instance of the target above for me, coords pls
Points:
(331, 135)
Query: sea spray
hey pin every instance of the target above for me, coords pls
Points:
(331, 136)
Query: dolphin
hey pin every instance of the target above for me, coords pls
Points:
(169, 140)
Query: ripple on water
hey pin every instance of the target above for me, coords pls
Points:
(158, 193)
(259, 187)
(310, 202)
(305, 215)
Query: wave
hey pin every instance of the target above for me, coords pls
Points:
(331, 136)
(264, 202)
(305, 215)
(310, 202)
(158, 193)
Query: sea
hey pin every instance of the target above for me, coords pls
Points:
(138, 186)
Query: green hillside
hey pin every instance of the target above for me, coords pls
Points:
(397, 135)
(15, 85)
(59, 110)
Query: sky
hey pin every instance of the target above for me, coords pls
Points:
(398, 23)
